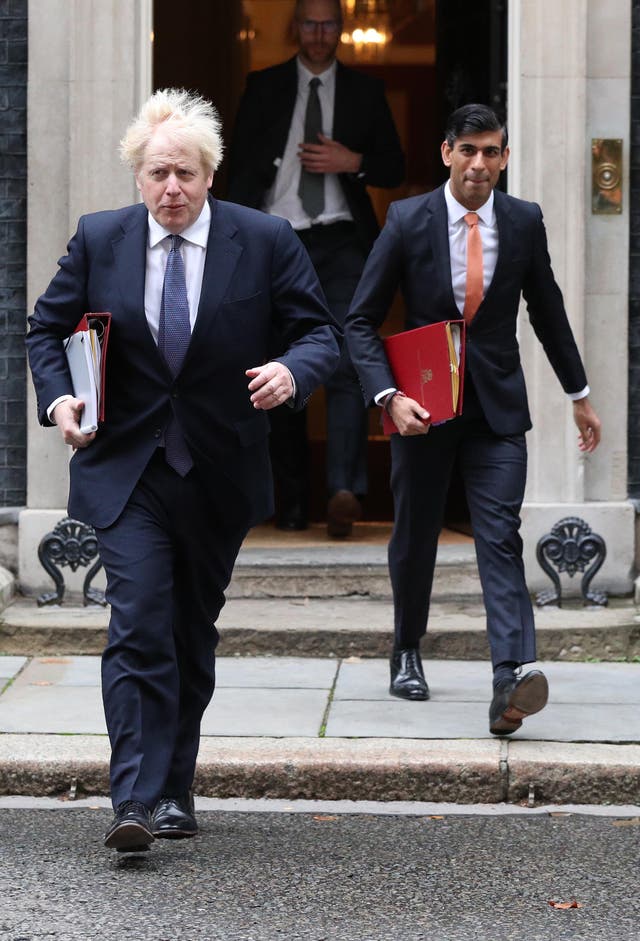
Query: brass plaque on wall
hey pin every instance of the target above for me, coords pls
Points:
(606, 175)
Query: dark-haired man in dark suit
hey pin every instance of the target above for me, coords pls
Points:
(467, 250)
(310, 136)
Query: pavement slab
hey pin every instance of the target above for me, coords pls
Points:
(9, 667)
(327, 728)
(274, 713)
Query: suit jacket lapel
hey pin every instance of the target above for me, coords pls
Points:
(130, 254)
(342, 102)
(283, 102)
(439, 233)
(223, 253)
(507, 240)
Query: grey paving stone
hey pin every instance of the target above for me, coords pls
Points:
(397, 719)
(270, 712)
(52, 709)
(275, 672)
(456, 720)
(448, 680)
(583, 722)
(593, 682)
(470, 681)
(9, 666)
(62, 671)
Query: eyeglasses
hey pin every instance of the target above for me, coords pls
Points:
(325, 26)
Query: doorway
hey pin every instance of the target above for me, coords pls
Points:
(443, 53)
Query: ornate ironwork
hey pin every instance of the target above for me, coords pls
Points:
(73, 544)
(571, 547)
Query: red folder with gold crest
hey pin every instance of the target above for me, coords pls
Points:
(428, 365)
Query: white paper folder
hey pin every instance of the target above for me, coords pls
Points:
(86, 350)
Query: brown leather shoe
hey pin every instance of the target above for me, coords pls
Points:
(343, 510)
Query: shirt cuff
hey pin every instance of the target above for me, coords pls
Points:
(61, 398)
(575, 396)
(380, 397)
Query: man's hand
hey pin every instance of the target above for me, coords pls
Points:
(329, 156)
(270, 385)
(409, 417)
(66, 415)
(588, 424)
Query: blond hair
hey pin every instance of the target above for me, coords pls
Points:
(192, 119)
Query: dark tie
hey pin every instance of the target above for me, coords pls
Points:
(311, 186)
(174, 335)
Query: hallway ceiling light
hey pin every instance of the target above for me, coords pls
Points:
(367, 24)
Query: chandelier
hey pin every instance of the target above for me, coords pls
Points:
(366, 24)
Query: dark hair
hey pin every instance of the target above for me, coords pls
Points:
(474, 119)
(337, 4)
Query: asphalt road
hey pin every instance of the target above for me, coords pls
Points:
(323, 877)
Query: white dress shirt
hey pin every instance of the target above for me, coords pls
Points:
(282, 199)
(488, 228)
(194, 252)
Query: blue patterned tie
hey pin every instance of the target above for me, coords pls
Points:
(174, 335)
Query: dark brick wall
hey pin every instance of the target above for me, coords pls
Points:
(13, 249)
(634, 262)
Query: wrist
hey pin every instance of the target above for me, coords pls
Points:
(389, 399)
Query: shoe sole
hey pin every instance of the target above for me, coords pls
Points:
(174, 834)
(129, 838)
(415, 696)
(529, 697)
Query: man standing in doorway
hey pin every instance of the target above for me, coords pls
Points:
(310, 136)
(467, 251)
(179, 470)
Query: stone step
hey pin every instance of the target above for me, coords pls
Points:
(336, 627)
(344, 571)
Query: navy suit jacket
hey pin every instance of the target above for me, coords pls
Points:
(412, 252)
(362, 122)
(256, 275)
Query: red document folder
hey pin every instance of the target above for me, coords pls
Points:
(88, 366)
(428, 365)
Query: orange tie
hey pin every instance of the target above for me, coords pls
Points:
(475, 272)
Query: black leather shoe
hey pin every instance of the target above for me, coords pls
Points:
(514, 700)
(407, 676)
(173, 818)
(130, 831)
(343, 510)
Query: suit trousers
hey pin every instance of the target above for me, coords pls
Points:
(168, 559)
(493, 469)
(338, 259)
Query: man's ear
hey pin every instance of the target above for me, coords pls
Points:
(446, 151)
(504, 158)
